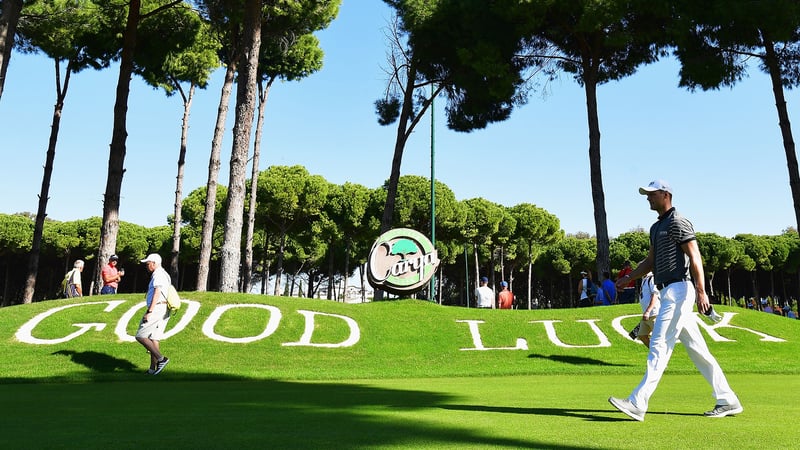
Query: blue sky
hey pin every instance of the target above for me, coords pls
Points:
(720, 150)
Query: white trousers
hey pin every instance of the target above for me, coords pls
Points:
(675, 321)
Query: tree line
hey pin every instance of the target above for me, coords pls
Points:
(487, 57)
(312, 236)
(483, 57)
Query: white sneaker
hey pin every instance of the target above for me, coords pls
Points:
(626, 406)
(724, 410)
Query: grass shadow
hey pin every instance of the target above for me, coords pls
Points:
(594, 415)
(576, 360)
(250, 414)
(98, 362)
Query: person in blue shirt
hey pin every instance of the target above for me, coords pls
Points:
(607, 294)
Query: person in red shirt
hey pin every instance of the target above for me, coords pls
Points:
(505, 299)
(111, 276)
(628, 294)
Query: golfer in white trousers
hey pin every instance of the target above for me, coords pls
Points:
(675, 260)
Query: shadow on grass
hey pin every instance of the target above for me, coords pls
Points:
(208, 410)
(586, 414)
(219, 413)
(594, 415)
(576, 360)
(98, 362)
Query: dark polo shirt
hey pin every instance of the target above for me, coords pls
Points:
(666, 237)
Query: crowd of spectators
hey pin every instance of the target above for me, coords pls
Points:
(785, 308)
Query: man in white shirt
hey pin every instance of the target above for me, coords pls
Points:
(484, 295)
(152, 326)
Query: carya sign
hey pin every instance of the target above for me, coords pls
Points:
(401, 261)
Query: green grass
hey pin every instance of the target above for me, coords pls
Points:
(404, 384)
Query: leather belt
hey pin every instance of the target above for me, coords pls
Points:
(661, 286)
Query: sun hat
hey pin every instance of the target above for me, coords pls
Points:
(153, 257)
(656, 185)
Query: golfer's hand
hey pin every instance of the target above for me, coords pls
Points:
(702, 302)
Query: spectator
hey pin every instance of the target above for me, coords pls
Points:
(607, 294)
(585, 289)
(72, 286)
(111, 276)
(484, 295)
(505, 299)
(628, 294)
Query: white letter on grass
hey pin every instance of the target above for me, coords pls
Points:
(551, 333)
(122, 326)
(725, 323)
(272, 324)
(522, 344)
(305, 339)
(25, 332)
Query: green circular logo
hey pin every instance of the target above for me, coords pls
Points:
(401, 261)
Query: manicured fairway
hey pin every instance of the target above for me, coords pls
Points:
(269, 372)
(484, 412)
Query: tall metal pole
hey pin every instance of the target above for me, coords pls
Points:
(431, 289)
(466, 275)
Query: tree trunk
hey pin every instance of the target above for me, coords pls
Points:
(401, 137)
(596, 173)
(361, 273)
(346, 266)
(530, 288)
(441, 283)
(403, 132)
(245, 108)
(265, 262)
(310, 290)
(771, 61)
(406, 114)
(207, 234)
(8, 28)
(477, 270)
(176, 225)
(711, 283)
(729, 284)
(116, 158)
(330, 295)
(251, 212)
(41, 214)
(279, 264)
(772, 283)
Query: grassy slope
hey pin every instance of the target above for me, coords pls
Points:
(394, 389)
(398, 339)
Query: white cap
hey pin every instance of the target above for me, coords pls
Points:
(657, 185)
(153, 257)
